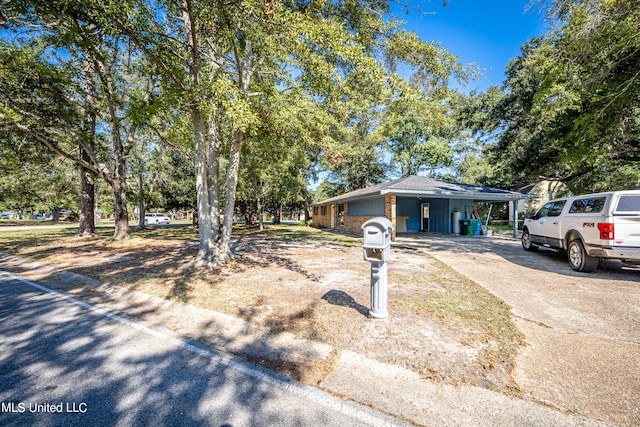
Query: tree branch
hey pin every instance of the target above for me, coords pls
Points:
(101, 170)
(150, 54)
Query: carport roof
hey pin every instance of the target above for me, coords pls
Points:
(420, 186)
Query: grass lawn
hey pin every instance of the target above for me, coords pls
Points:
(312, 283)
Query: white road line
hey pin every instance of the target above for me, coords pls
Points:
(307, 392)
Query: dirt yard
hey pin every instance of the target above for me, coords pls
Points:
(315, 285)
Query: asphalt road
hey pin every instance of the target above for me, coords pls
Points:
(64, 362)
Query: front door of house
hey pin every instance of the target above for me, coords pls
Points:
(333, 217)
(424, 215)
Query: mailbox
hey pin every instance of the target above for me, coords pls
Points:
(377, 233)
(377, 239)
(376, 248)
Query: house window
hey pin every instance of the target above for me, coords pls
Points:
(323, 210)
(315, 210)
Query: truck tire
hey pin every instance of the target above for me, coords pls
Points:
(578, 258)
(526, 241)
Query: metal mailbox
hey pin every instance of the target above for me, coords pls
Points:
(377, 233)
(377, 248)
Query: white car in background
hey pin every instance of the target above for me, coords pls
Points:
(156, 218)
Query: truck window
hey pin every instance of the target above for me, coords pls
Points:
(628, 204)
(556, 208)
(550, 209)
(544, 211)
(593, 205)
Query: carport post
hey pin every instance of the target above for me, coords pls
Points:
(515, 219)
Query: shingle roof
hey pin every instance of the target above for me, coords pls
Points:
(428, 187)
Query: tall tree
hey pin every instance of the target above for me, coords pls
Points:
(417, 125)
(571, 106)
(79, 67)
(218, 58)
(474, 131)
(87, 225)
(358, 162)
(416, 130)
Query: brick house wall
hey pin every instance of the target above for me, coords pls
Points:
(390, 212)
(344, 222)
(322, 216)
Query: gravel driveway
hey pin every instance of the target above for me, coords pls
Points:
(583, 330)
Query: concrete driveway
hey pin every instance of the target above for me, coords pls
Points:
(583, 329)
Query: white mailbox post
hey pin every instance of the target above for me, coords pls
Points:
(376, 248)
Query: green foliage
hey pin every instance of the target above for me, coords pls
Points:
(570, 110)
(430, 64)
(34, 181)
(175, 178)
(34, 92)
(473, 131)
(328, 189)
(34, 96)
(293, 86)
(416, 131)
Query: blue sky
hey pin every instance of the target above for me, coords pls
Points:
(488, 33)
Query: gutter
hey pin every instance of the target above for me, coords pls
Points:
(459, 195)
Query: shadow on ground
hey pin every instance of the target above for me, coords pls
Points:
(343, 299)
(56, 352)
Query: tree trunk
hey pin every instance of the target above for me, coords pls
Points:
(213, 182)
(119, 180)
(305, 195)
(246, 70)
(87, 226)
(260, 213)
(121, 216)
(248, 216)
(277, 215)
(206, 155)
(215, 243)
(141, 201)
(119, 185)
(224, 244)
(206, 223)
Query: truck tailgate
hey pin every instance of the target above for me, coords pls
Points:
(626, 219)
(627, 231)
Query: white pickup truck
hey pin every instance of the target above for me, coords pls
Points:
(589, 228)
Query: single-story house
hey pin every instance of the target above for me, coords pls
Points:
(412, 204)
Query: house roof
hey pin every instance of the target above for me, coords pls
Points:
(420, 186)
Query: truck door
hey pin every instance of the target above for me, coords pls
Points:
(547, 226)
